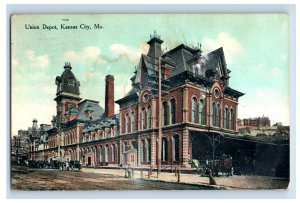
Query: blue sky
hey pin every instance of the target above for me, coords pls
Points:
(255, 45)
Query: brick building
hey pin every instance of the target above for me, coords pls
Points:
(81, 130)
(258, 122)
(196, 100)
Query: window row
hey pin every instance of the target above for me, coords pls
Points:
(167, 147)
(146, 120)
(69, 138)
(101, 134)
(228, 116)
(108, 153)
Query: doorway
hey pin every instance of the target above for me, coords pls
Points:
(89, 161)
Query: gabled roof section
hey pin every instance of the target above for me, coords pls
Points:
(217, 57)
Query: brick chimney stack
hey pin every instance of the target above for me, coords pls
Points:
(109, 96)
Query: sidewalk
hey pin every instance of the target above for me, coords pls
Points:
(232, 182)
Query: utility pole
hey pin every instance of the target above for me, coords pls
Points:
(159, 119)
(58, 126)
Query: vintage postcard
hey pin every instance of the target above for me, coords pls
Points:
(150, 101)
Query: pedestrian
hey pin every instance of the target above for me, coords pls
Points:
(212, 181)
(67, 165)
(129, 171)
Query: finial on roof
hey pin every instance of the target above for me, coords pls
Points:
(155, 35)
(68, 65)
(200, 47)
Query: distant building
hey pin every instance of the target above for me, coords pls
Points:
(19, 145)
(258, 122)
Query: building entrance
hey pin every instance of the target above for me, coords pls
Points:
(89, 161)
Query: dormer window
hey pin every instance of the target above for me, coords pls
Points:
(146, 97)
(217, 93)
(71, 81)
(198, 67)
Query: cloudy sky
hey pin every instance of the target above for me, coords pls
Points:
(255, 46)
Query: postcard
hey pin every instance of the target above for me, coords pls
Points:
(150, 101)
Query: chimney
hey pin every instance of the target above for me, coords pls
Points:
(109, 96)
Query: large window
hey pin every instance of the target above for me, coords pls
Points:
(164, 149)
(124, 147)
(226, 118)
(175, 148)
(106, 153)
(173, 111)
(165, 114)
(231, 119)
(143, 119)
(127, 124)
(149, 150)
(218, 115)
(201, 112)
(132, 122)
(214, 112)
(149, 114)
(112, 152)
(142, 151)
(101, 154)
(194, 109)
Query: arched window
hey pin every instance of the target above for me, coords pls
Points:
(165, 113)
(112, 152)
(214, 112)
(132, 122)
(226, 118)
(173, 111)
(164, 149)
(231, 119)
(108, 130)
(127, 125)
(201, 112)
(218, 115)
(124, 147)
(143, 119)
(194, 109)
(101, 154)
(175, 148)
(149, 149)
(106, 153)
(142, 151)
(149, 114)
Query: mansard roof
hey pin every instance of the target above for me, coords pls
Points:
(67, 82)
(183, 60)
(86, 106)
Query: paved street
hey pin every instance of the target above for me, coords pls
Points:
(113, 179)
(47, 179)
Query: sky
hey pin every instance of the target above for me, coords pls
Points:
(256, 48)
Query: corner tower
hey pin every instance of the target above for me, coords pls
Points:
(67, 94)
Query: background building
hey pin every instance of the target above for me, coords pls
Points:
(255, 122)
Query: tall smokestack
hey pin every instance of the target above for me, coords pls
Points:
(109, 96)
